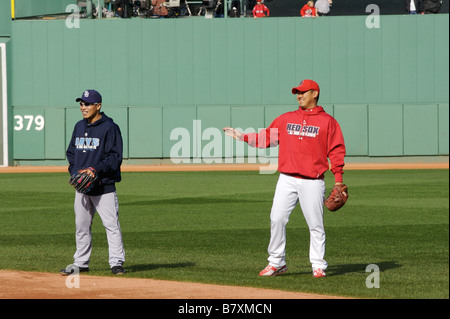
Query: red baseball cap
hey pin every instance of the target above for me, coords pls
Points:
(305, 86)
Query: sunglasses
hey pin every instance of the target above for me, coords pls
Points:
(87, 104)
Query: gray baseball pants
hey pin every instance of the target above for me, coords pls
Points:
(107, 206)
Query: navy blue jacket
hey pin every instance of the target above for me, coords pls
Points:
(98, 145)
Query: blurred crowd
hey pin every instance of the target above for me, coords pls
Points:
(234, 8)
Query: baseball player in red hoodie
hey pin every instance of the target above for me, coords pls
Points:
(307, 138)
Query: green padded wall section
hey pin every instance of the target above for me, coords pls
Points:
(388, 87)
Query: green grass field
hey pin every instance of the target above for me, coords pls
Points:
(213, 227)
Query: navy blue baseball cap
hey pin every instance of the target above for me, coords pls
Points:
(90, 96)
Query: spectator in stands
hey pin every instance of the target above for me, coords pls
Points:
(159, 9)
(432, 6)
(123, 8)
(308, 10)
(235, 11)
(260, 10)
(219, 10)
(323, 7)
(414, 6)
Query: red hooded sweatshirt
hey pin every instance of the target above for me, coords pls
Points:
(260, 11)
(308, 11)
(306, 139)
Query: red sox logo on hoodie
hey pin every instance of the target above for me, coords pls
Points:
(302, 130)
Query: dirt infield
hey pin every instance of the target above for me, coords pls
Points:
(35, 285)
(223, 167)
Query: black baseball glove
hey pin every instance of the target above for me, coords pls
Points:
(83, 182)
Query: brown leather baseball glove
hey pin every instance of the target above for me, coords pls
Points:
(337, 198)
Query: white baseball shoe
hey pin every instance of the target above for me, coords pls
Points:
(273, 271)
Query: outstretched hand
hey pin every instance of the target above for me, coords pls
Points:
(233, 133)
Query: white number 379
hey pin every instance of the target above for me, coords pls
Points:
(27, 122)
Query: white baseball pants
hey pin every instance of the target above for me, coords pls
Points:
(107, 206)
(310, 194)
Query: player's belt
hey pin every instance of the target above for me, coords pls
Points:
(302, 176)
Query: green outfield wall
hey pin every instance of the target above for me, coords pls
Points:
(387, 86)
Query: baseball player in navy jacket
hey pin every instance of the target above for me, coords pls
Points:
(96, 148)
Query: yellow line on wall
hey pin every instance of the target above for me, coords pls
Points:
(13, 10)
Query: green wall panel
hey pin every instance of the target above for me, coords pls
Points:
(5, 18)
(247, 119)
(441, 65)
(338, 61)
(180, 119)
(353, 120)
(390, 55)
(355, 81)
(323, 58)
(150, 67)
(252, 62)
(272, 112)
(184, 85)
(420, 139)
(73, 55)
(55, 64)
(213, 120)
(218, 63)
(409, 61)
(373, 64)
(29, 139)
(214, 116)
(135, 56)
(235, 75)
(300, 66)
(120, 77)
(73, 115)
(39, 59)
(54, 133)
(329, 108)
(385, 130)
(120, 117)
(87, 56)
(22, 81)
(443, 128)
(106, 60)
(167, 41)
(269, 61)
(145, 132)
(288, 64)
(201, 63)
(425, 58)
